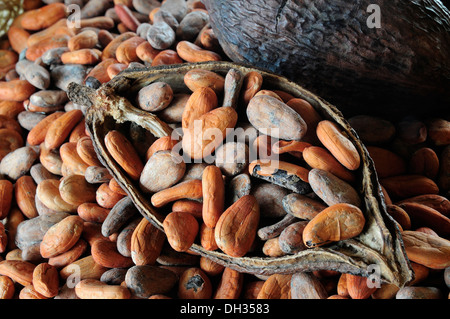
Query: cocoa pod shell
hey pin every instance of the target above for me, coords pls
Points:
(380, 243)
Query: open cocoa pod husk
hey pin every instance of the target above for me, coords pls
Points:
(110, 107)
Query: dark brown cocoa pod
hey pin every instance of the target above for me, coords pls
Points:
(268, 34)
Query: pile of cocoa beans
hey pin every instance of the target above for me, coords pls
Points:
(69, 231)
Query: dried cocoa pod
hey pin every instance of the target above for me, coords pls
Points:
(109, 107)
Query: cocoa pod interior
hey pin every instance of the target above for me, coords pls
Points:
(380, 243)
(328, 48)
